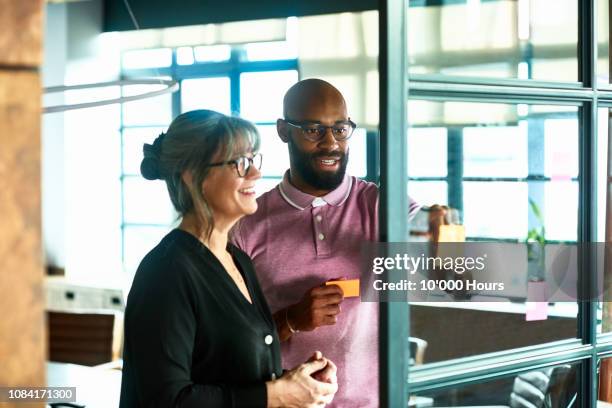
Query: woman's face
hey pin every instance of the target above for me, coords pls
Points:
(229, 195)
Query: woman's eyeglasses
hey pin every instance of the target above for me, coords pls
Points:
(314, 132)
(243, 164)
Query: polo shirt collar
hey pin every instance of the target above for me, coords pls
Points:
(301, 200)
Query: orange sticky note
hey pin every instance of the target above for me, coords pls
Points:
(350, 287)
(452, 233)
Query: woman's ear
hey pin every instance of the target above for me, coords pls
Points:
(187, 178)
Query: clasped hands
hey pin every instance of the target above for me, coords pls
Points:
(311, 384)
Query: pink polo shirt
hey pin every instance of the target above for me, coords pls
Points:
(298, 241)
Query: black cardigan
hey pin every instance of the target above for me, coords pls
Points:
(191, 337)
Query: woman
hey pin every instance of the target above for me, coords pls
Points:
(198, 332)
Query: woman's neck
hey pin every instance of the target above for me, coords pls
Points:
(217, 241)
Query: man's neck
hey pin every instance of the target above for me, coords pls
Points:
(297, 182)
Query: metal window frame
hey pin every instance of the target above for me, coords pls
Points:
(393, 77)
(589, 347)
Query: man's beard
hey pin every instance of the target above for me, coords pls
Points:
(320, 180)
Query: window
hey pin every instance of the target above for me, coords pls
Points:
(206, 93)
(502, 125)
(261, 94)
(150, 58)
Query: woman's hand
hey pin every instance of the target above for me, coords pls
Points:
(328, 373)
(299, 388)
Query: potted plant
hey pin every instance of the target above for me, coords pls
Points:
(535, 246)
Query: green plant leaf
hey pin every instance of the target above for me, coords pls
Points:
(536, 211)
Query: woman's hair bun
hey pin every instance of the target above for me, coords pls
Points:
(149, 167)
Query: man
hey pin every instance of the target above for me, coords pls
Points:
(307, 231)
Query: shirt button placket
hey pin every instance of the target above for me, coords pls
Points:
(319, 230)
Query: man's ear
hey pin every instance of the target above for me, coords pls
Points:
(283, 132)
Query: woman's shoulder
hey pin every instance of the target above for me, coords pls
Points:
(163, 277)
(165, 251)
(165, 262)
(240, 255)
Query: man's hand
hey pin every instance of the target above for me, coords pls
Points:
(319, 307)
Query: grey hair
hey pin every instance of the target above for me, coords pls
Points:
(193, 140)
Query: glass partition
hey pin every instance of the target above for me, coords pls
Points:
(495, 39)
(603, 43)
(502, 149)
(604, 211)
(489, 161)
(508, 174)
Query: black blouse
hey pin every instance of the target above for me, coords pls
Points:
(191, 337)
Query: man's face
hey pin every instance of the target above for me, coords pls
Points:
(315, 167)
(321, 164)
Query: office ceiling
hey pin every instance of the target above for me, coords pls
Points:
(163, 13)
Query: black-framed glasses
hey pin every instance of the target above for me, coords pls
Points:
(314, 132)
(243, 164)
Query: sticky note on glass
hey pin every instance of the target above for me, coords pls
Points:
(537, 306)
(452, 233)
(350, 287)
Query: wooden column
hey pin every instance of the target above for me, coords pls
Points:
(22, 335)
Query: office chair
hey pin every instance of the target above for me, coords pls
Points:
(553, 387)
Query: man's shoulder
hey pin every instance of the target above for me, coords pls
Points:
(267, 204)
(268, 194)
(364, 191)
(364, 186)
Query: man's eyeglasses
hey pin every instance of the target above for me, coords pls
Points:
(314, 132)
(243, 164)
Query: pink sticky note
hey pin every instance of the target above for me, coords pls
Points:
(560, 166)
(537, 305)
